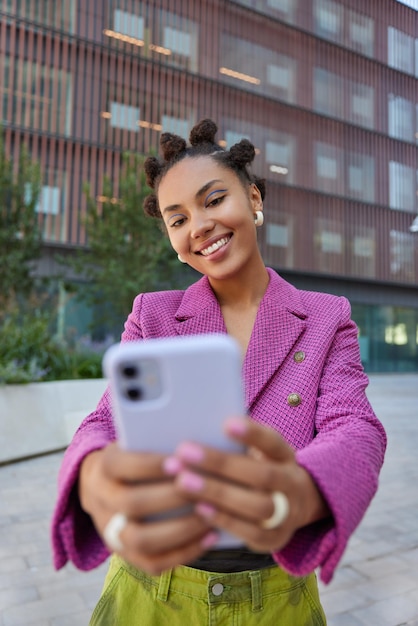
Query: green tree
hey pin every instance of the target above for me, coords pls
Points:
(127, 251)
(20, 236)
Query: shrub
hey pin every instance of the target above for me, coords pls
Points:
(31, 353)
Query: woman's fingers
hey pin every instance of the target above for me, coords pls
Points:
(164, 535)
(260, 437)
(264, 471)
(160, 545)
(252, 534)
(144, 501)
(254, 506)
(156, 563)
(126, 466)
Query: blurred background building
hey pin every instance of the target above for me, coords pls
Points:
(327, 91)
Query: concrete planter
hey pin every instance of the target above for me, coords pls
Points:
(41, 417)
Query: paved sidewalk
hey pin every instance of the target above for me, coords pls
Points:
(376, 584)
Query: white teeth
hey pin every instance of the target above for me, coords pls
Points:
(215, 246)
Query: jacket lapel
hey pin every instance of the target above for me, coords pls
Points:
(199, 311)
(279, 323)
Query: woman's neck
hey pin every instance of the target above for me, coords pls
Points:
(244, 291)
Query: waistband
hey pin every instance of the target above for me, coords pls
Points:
(216, 588)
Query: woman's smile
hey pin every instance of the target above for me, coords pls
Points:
(214, 247)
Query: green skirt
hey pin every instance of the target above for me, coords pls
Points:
(186, 596)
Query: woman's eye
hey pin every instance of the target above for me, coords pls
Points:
(176, 221)
(216, 201)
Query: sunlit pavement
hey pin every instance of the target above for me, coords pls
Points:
(375, 585)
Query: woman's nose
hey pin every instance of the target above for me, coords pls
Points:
(201, 225)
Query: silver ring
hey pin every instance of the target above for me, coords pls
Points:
(281, 511)
(112, 531)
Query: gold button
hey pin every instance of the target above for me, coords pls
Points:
(299, 356)
(294, 399)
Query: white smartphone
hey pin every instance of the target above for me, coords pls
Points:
(165, 391)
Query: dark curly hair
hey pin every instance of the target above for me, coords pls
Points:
(202, 143)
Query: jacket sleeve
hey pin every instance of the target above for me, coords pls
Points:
(73, 535)
(344, 457)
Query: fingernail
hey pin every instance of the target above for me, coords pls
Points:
(236, 426)
(210, 540)
(190, 452)
(191, 482)
(172, 465)
(205, 510)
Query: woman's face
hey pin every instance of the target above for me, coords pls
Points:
(209, 216)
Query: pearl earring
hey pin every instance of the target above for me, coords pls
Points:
(259, 218)
(180, 259)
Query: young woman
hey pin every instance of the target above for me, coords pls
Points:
(315, 447)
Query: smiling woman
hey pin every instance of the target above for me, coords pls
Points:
(210, 204)
(313, 447)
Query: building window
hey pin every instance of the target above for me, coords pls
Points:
(328, 93)
(35, 96)
(416, 58)
(49, 200)
(178, 39)
(400, 50)
(124, 116)
(58, 14)
(284, 6)
(401, 187)
(282, 76)
(329, 160)
(400, 114)
(254, 67)
(277, 235)
(175, 125)
(331, 242)
(363, 247)
(416, 123)
(337, 97)
(280, 158)
(128, 24)
(232, 137)
(51, 205)
(284, 9)
(329, 246)
(328, 19)
(361, 33)
(361, 178)
(279, 240)
(363, 257)
(362, 105)
(402, 251)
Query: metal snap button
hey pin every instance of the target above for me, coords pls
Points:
(294, 399)
(299, 356)
(217, 589)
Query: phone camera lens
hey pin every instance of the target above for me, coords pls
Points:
(130, 371)
(134, 393)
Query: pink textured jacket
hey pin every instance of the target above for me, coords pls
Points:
(334, 430)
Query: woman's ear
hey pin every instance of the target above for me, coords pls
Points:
(255, 198)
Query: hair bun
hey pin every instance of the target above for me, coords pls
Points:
(150, 206)
(171, 146)
(203, 132)
(152, 168)
(242, 153)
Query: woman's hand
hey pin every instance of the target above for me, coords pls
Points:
(234, 492)
(115, 481)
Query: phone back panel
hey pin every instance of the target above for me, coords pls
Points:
(183, 388)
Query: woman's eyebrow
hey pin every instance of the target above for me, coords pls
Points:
(208, 185)
(202, 190)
